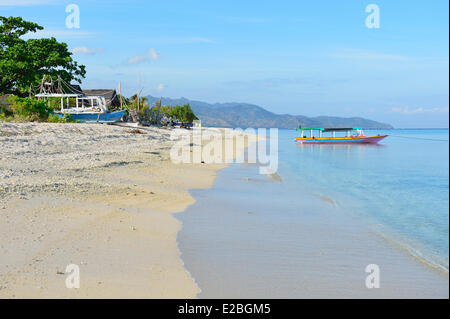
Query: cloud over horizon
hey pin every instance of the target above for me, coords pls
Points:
(142, 58)
(408, 111)
(24, 3)
(59, 33)
(86, 50)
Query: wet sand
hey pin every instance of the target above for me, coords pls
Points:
(245, 238)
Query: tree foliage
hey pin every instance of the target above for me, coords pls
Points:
(25, 109)
(138, 102)
(25, 62)
(31, 110)
(183, 113)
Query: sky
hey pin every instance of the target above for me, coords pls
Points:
(299, 57)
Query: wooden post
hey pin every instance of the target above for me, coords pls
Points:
(159, 111)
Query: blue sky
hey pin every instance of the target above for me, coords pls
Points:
(299, 57)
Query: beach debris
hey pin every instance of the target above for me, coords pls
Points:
(274, 177)
(256, 180)
(134, 116)
(133, 228)
(135, 131)
(59, 272)
(327, 199)
(23, 196)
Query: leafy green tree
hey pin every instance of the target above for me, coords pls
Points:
(166, 110)
(135, 102)
(25, 62)
(183, 113)
(188, 114)
(139, 104)
(125, 103)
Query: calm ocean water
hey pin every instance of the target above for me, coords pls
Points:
(336, 210)
(401, 185)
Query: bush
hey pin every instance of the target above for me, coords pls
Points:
(5, 108)
(66, 118)
(31, 110)
(28, 109)
(183, 113)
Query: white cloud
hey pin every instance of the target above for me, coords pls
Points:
(160, 87)
(154, 55)
(86, 50)
(365, 55)
(141, 58)
(23, 3)
(58, 33)
(418, 110)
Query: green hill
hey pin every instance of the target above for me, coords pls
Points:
(248, 115)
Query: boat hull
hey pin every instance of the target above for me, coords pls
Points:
(95, 117)
(342, 140)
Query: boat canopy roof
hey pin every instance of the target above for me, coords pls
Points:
(330, 129)
(58, 95)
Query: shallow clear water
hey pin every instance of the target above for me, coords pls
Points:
(402, 184)
(313, 233)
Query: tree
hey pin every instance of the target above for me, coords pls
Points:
(25, 62)
(138, 103)
(188, 114)
(183, 113)
(166, 110)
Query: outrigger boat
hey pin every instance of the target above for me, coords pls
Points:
(85, 109)
(353, 135)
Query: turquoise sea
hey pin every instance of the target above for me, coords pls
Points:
(336, 209)
(402, 184)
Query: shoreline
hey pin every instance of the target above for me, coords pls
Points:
(101, 197)
(105, 198)
(248, 270)
(395, 242)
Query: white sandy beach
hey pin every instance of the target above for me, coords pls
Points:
(98, 196)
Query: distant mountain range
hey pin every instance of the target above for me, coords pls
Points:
(248, 115)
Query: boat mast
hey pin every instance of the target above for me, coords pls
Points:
(120, 94)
